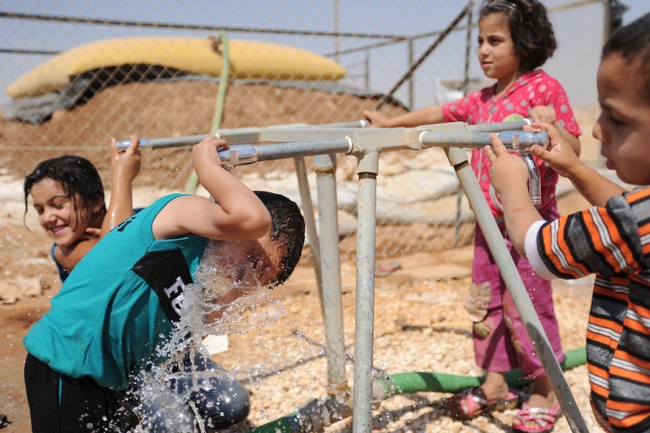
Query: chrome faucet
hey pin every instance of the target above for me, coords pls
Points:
(522, 141)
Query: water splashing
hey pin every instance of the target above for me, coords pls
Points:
(170, 395)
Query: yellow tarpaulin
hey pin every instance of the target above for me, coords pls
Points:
(249, 59)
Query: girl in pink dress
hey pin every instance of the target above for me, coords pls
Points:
(515, 39)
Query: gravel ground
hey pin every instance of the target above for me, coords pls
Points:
(419, 326)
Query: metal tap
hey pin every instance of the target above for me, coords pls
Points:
(522, 141)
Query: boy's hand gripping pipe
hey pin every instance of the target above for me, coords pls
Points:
(521, 141)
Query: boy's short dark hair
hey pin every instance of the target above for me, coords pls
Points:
(632, 42)
(287, 228)
(530, 29)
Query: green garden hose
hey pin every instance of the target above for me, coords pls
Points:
(306, 419)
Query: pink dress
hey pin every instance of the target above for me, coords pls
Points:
(507, 346)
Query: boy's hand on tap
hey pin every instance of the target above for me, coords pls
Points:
(560, 156)
(507, 169)
(207, 151)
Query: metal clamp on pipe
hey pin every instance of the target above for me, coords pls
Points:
(523, 140)
(242, 154)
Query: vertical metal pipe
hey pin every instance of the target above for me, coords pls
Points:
(411, 79)
(337, 38)
(607, 15)
(308, 209)
(413, 66)
(367, 71)
(458, 159)
(331, 294)
(365, 301)
(468, 46)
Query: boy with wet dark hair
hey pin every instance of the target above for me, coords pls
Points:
(610, 240)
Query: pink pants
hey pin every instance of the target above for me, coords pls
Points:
(507, 345)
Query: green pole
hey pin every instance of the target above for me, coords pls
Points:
(193, 180)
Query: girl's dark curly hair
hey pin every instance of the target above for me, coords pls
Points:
(287, 228)
(530, 29)
(77, 176)
(632, 42)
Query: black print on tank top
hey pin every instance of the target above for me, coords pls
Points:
(122, 226)
(167, 273)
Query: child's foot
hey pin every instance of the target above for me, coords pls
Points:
(473, 402)
(538, 415)
(536, 419)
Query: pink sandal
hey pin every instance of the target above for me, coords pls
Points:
(467, 404)
(543, 417)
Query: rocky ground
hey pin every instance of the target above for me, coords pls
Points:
(420, 324)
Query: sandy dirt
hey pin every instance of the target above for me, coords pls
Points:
(420, 324)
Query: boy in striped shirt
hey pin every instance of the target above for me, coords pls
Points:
(611, 240)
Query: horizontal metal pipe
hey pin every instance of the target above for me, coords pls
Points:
(477, 137)
(244, 154)
(233, 136)
(363, 123)
(500, 126)
(161, 143)
(517, 140)
(304, 148)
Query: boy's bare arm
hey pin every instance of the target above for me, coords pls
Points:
(125, 167)
(236, 213)
(424, 116)
(595, 188)
(572, 140)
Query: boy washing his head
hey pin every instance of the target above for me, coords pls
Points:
(86, 351)
(611, 239)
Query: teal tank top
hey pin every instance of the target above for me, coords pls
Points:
(119, 303)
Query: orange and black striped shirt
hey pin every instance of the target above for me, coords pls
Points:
(612, 242)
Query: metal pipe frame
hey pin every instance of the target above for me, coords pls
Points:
(331, 293)
(398, 138)
(310, 223)
(365, 144)
(365, 295)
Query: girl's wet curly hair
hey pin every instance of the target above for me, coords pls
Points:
(76, 175)
(530, 29)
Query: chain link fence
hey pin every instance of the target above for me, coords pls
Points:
(168, 68)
